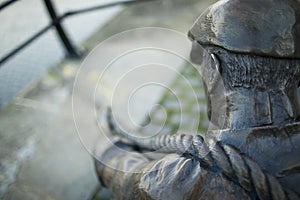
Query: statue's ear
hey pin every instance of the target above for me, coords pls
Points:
(215, 72)
(216, 63)
(213, 86)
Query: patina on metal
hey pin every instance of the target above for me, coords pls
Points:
(251, 73)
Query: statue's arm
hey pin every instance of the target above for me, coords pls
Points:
(131, 175)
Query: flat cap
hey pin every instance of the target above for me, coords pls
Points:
(260, 27)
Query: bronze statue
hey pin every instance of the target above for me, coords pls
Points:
(251, 73)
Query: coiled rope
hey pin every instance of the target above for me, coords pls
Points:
(216, 156)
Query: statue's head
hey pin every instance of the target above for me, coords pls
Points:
(251, 61)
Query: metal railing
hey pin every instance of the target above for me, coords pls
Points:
(56, 22)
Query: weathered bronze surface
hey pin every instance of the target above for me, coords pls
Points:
(251, 73)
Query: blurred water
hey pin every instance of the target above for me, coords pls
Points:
(25, 18)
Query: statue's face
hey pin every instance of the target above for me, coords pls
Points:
(213, 84)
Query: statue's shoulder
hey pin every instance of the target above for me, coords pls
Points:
(275, 149)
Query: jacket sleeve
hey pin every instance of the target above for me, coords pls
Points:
(129, 174)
